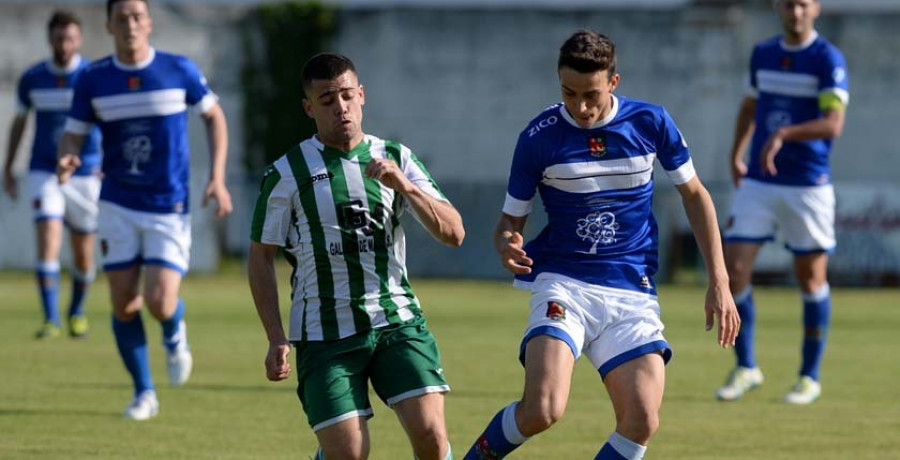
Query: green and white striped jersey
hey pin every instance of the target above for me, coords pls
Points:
(341, 233)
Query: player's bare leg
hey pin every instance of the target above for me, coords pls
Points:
(423, 419)
(811, 271)
(636, 390)
(49, 240)
(739, 259)
(83, 273)
(161, 286)
(548, 377)
(348, 439)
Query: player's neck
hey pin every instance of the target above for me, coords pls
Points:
(342, 145)
(792, 39)
(134, 57)
(65, 65)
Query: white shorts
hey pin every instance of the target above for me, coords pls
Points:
(129, 237)
(74, 202)
(805, 215)
(611, 326)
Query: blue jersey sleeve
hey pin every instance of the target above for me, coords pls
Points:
(23, 100)
(673, 152)
(199, 95)
(525, 174)
(833, 78)
(752, 86)
(82, 110)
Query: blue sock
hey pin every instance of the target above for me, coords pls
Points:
(619, 447)
(816, 316)
(173, 333)
(743, 344)
(81, 282)
(48, 284)
(501, 436)
(132, 343)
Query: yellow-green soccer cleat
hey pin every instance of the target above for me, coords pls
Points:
(78, 326)
(805, 391)
(740, 381)
(47, 331)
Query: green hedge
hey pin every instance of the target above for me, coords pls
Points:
(278, 39)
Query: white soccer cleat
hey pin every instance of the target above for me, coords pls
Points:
(805, 391)
(179, 364)
(741, 380)
(144, 406)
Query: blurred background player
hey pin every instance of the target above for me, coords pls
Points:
(590, 271)
(139, 99)
(793, 109)
(46, 88)
(333, 203)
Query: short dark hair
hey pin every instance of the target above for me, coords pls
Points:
(588, 51)
(110, 3)
(325, 66)
(62, 18)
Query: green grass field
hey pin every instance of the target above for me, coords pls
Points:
(63, 398)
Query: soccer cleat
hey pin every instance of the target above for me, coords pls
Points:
(179, 364)
(805, 391)
(47, 331)
(143, 407)
(741, 380)
(78, 326)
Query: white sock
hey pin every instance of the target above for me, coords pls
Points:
(626, 447)
(510, 428)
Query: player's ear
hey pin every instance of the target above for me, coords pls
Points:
(362, 95)
(614, 82)
(307, 107)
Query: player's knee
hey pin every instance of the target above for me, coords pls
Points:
(639, 426)
(539, 417)
(428, 442)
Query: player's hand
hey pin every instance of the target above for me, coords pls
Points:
(770, 149)
(388, 173)
(216, 190)
(720, 306)
(10, 185)
(513, 256)
(66, 166)
(277, 365)
(738, 171)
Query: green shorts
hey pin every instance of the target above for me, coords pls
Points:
(402, 361)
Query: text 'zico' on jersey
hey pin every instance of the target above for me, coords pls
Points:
(141, 110)
(596, 185)
(341, 233)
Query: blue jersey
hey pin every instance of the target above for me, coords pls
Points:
(47, 89)
(789, 82)
(142, 112)
(596, 186)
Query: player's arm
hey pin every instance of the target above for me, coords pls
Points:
(829, 126)
(264, 287)
(508, 242)
(69, 158)
(698, 206)
(217, 138)
(743, 132)
(16, 129)
(439, 217)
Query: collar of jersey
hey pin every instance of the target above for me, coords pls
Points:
(609, 118)
(361, 147)
(139, 66)
(806, 44)
(69, 68)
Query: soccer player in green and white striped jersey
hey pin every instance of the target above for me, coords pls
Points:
(333, 203)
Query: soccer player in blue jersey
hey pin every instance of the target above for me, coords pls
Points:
(46, 88)
(794, 107)
(139, 97)
(590, 271)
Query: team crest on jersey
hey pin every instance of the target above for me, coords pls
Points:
(60, 82)
(597, 146)
(786, 62)
(556, 311)
(645, 282)
(134, 83)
